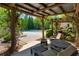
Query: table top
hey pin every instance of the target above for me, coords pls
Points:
(60, 43)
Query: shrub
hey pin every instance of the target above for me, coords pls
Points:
(70, 34)
(49, 33)
(7, 37)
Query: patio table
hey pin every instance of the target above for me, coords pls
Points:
(38, 49)
(59, 44)
(56, 47)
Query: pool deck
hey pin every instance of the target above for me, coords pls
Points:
(28, 37)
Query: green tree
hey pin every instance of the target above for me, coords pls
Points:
(30, 23)
(37, 23)
(47, 24)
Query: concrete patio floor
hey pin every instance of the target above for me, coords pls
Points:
(26, 49)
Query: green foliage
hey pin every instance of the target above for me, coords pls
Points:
(23, 24)
(30, 23)
(4, 24)
(7, 37)
(49, 33)
(37, 23)
(47, 24)
(70, 34)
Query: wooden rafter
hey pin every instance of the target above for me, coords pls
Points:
(31, 6)
(9, 7)
(43, 13)
(62, 13)
(53, 11)
(4, 6)
(62, 9)
(45, 6)
(18, 5)
(49, 7)
(37, 13)
(46, 13)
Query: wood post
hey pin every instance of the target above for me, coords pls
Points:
(42, 27)
(56, 24)
(77, 24)
(52, 25)
(42, 20)
(13, 29)
(13, 19)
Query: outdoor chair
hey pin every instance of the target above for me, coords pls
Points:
(57, 37)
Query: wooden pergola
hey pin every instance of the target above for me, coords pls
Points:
(40, 10)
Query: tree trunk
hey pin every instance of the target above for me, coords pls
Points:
(13, 20)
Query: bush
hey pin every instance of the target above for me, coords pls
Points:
(70, 35)
(69, 38)
(49, 33)
(7, 37)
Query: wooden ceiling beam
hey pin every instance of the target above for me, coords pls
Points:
(46, 13)
(45, 6)
(23, 7)
(62, 9)
(32, 13)
(31, 6)
(49, 7)
(1, 5)
(9, 7)
(40, 14)
(52, 11)
(40, 9)
(63, 13)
